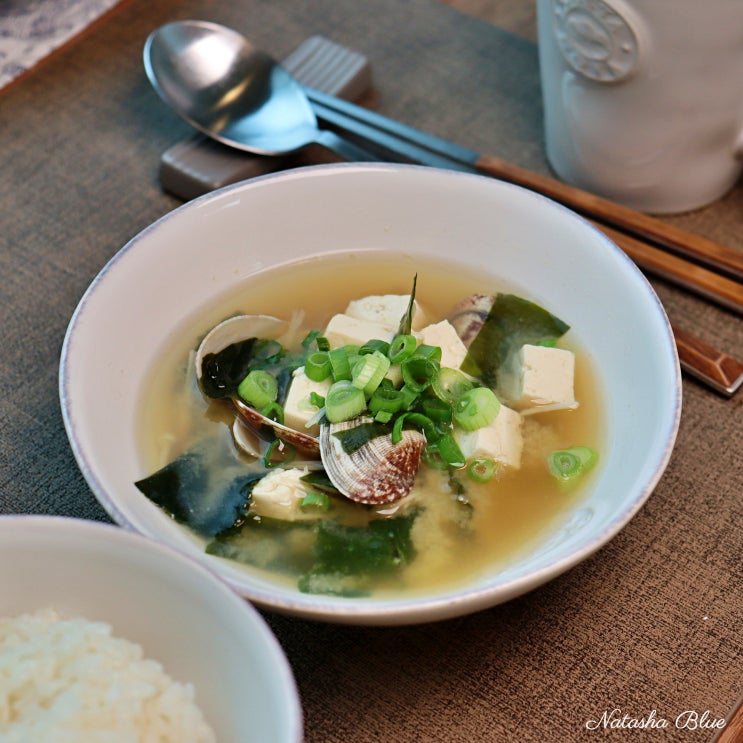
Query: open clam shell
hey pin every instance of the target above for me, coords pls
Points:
(379, 471)
(240, 328)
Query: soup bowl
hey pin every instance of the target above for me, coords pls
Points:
(209, 247)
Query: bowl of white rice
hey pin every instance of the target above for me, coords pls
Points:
(108, 636)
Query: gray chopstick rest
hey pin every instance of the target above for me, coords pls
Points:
(198, 165)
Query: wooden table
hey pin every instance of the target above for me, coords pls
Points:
(650, 626)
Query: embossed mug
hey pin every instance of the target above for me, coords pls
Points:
(643, 99)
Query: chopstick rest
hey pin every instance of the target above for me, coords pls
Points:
(198, 165)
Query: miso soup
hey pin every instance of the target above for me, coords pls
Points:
(458, 518)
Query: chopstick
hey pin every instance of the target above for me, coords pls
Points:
(695, 247)
(722, 373)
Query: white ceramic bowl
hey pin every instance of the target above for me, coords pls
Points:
(207, 247)
(200, 630)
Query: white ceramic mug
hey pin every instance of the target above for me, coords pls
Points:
(643, 99)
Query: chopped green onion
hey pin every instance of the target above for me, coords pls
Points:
(313, 499)
(408, 395)
(476, 408)
(317, 366)
(437, 410)
(339, 364)
(482, 470)
(352, 349)
(274, 411)
(418, 372)
(323, 344)
(450, 384)
(344, 401)
(567, 464)
(433, 458)
(369, 372)
(284, 448)
(419, 420)
(383, 416)
(385, 399)
(450, 452)
(429, 352)
(317, 400)
(258, 389)
(401, 348)
(375, 345)
(310, 338)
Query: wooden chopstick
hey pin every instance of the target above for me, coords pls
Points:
(374, 126)
(695, 247)
(708, 284)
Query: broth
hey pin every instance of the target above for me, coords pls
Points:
(509, 515)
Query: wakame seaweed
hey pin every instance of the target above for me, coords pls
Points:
(354, 438)
(186, 490)
(511, 323)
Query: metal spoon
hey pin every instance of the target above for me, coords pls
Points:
(234, 93)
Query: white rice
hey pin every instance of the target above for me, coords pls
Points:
(71, 680)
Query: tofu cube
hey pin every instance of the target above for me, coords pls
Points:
(297, 408)
(279, 495)
(501, 441)
(387, 309)
(443, 334)
(539, 377)
(343, 330)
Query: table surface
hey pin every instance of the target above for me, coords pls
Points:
(651, 624)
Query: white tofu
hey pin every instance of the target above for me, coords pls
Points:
(279, 494)
(343, 330)
(297, 408)
(501, 441)
(541, 378)
(387, 309)
(443, 334)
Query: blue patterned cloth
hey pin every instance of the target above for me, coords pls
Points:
(31, 29)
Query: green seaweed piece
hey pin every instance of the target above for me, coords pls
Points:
(203, 490)
(354, 438)
(406, 322)
(348, 559)
(511, 323)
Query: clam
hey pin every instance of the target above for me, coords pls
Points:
(377, 472)
(469, 315)
(242, 328)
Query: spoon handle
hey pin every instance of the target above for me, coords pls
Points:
(343, 148)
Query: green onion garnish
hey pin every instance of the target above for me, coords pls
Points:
(418, 420)
(274, 411)
(344, 401)
(437, 410)
(317, 400)
(401, 348)
(339, 364)
(482, 470)
(429, 352)
(567, 464)
(418, 372)
(317, 366)
(385, 399)
(476, 408)
(314, 499)
(284, 448)
(369, 371)
(375, 345)
(450, 452)
(258, 389)
(450, 385)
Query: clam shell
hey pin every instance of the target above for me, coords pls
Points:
(235, 329)
(240, 328)
(266, 428)
(378, 472)
(469, 315)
